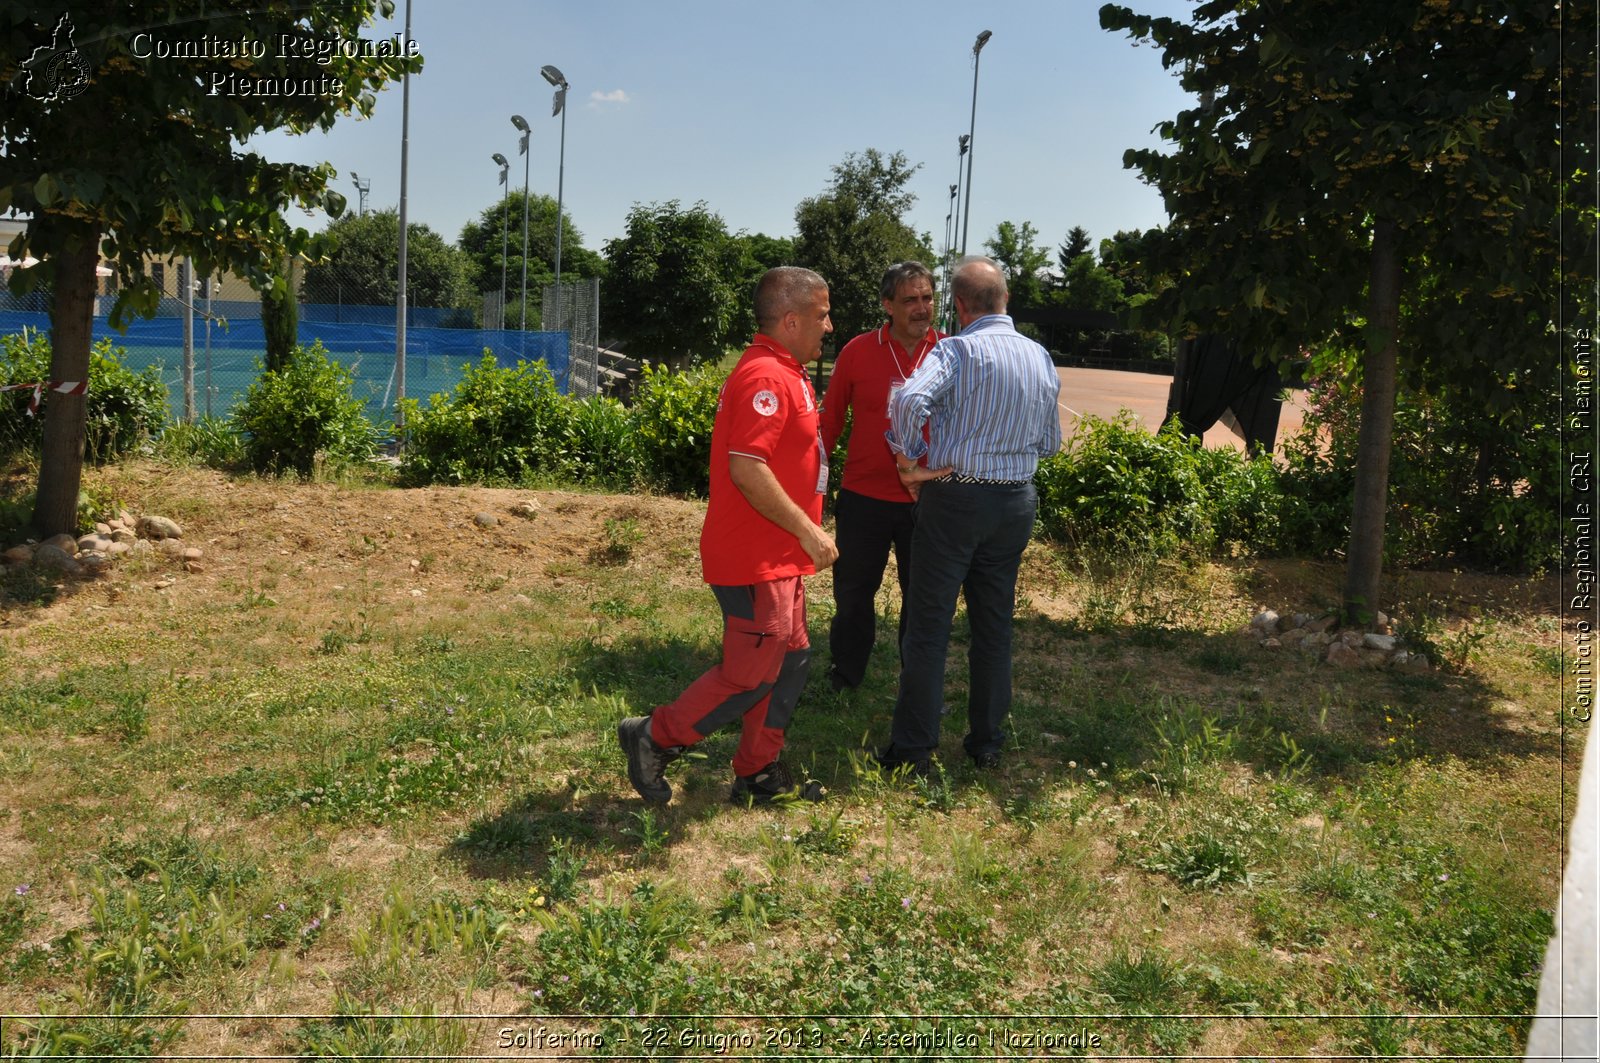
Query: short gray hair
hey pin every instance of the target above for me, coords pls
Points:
(981, 284)
(782, 289)
(903, 273)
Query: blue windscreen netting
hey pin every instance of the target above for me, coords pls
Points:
(227, 366)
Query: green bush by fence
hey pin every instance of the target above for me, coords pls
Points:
(307, 408)
(124, 408)
(675, 412)
(1464, 487)
(513, 425)
(497, 426)
(1115, 486)
(1463, 490)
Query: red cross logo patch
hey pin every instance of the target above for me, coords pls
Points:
(766, 403)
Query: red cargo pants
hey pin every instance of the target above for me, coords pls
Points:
(765, 657)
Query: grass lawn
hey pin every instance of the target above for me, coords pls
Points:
(354, 790)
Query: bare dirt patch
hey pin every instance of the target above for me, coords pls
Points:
(391, 545)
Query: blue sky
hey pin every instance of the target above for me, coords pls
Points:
(748, 107)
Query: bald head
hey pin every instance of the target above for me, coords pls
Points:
(979, 285)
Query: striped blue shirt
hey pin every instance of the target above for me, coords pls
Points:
(989, 395)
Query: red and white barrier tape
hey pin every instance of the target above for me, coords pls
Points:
(59, 387)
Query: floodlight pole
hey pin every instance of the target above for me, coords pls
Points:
(522, 124)
(949, 238)
(961, 154)
(400, 301)
(972, 129)
(559, 104)
(505, 208)
(186, 293)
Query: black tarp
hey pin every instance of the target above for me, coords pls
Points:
(1212, 377)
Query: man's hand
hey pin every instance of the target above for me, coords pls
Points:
(760, 487)
(820, 547)
(912, 477)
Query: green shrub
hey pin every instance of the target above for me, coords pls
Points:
(290, 416)
(1319, 475)
(123, 408)
(209, 441)
(604, 450)
(1244, 499)
(1464, 486)
(1117, 486)
(674, 414)
(498, 425)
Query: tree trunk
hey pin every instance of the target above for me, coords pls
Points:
(1364, 561)
(76, 253)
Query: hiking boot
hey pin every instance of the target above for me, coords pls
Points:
(773, 783)
(647, 762)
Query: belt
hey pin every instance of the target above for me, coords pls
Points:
(962, 478)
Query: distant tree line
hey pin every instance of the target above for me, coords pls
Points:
(676, 286)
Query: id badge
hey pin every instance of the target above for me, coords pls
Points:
(822, 467)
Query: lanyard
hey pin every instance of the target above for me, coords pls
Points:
(923, 348)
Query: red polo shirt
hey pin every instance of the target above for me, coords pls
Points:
(866, 368)
(767, 411)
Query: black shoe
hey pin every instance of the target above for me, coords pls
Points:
(920, 767)
(773, 783)
(647, 762)
(837, 682)
(986, 761)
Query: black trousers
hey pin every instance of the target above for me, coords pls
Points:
(970, 539)
(865, 529)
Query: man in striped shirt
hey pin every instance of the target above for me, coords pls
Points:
(988, 395)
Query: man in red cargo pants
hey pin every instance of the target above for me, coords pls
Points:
(762, 535)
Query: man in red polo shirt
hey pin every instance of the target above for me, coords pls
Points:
(762, 534)
(874, 511)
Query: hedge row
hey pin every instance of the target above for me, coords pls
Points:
(1461, 491)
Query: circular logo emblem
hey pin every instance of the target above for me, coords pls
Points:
(766, 403)
(68, 75)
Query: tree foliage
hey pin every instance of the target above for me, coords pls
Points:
(1076, 243)
(1087, 285)
(1382, 179)
(139, 156)
(362, 266)
(855, 230)
(1023, 260)
(672, 284)
(758, 253)
(1123, 256)
(480, 241)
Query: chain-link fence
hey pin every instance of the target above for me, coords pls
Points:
(573, 307)
(494, 309)
(228, 344)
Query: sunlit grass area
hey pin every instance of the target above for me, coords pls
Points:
(354, 816)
